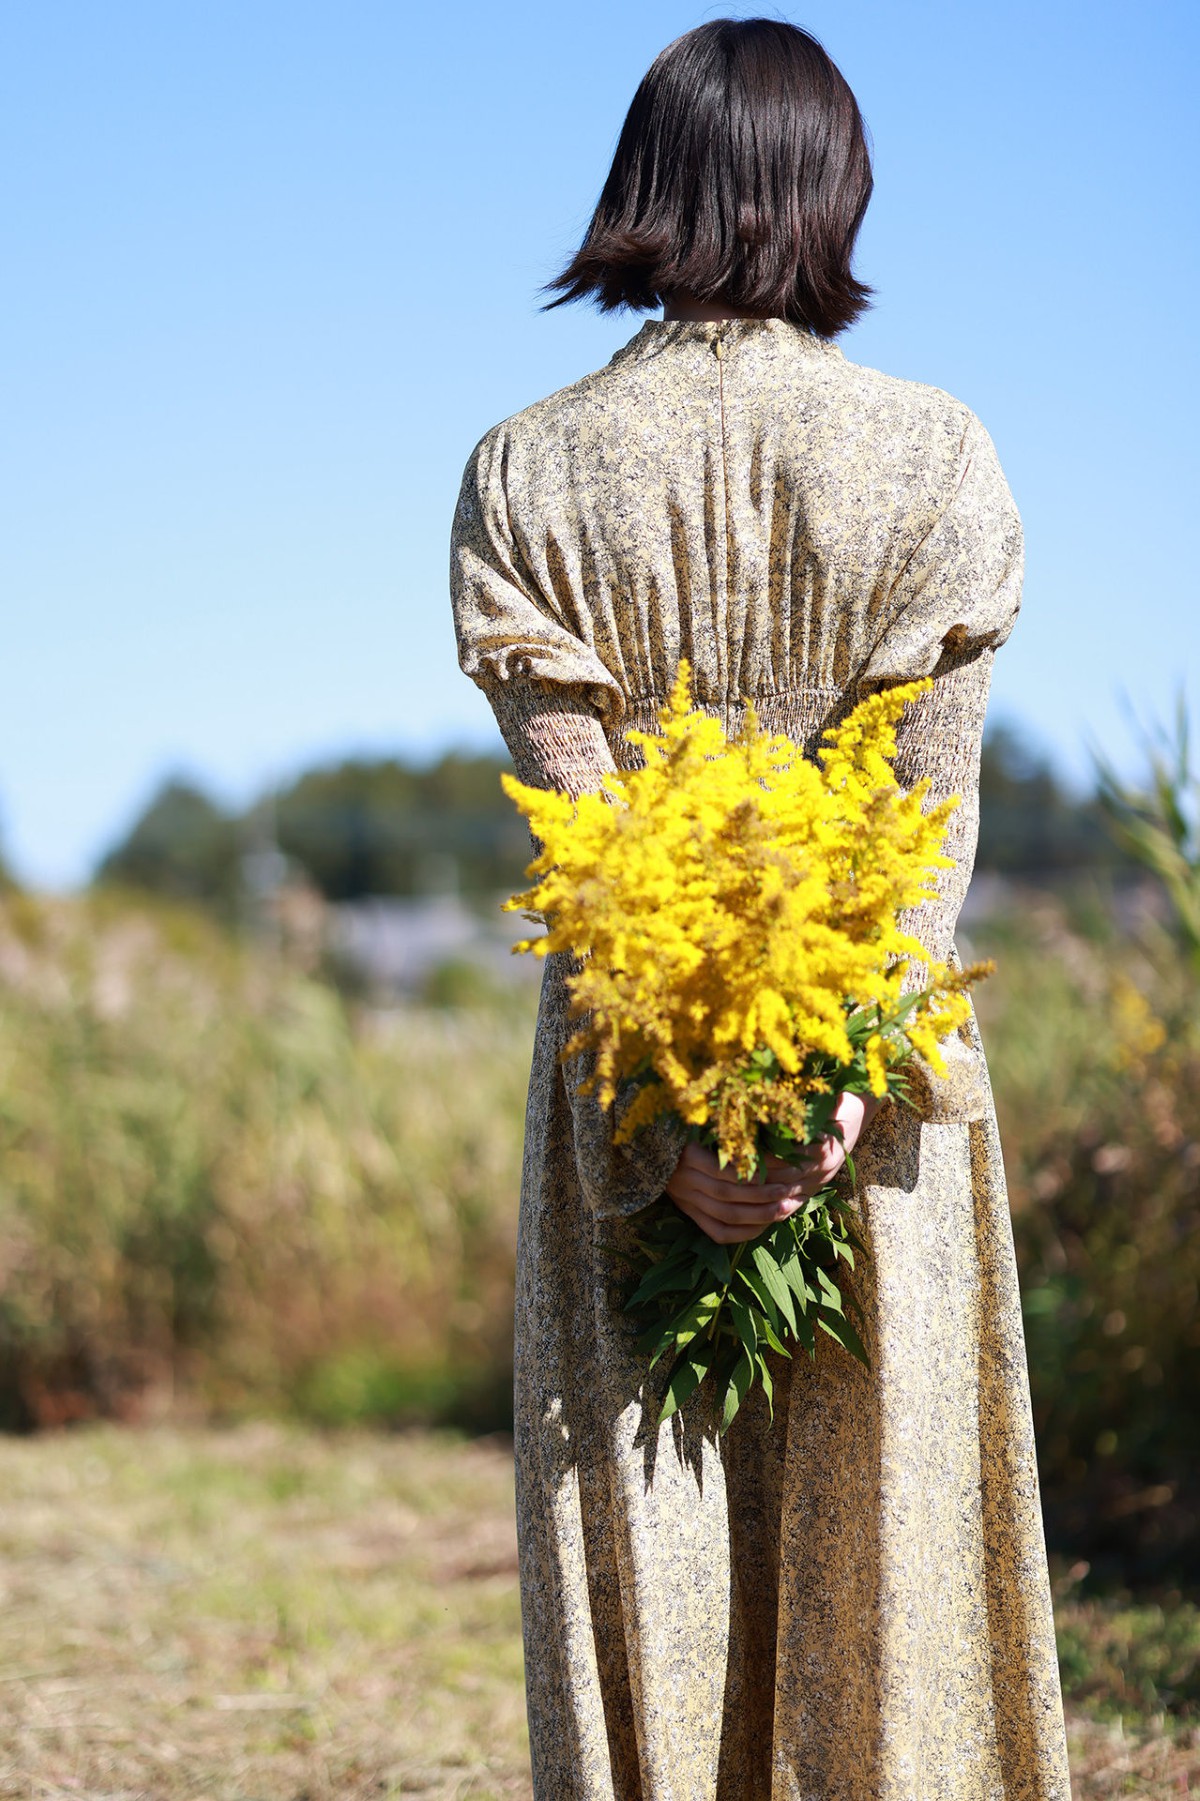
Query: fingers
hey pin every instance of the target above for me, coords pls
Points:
(700, 1167)
(778, 1204)
(722, 1231)
(731, 1211)
(728, 1210)
(853, 1114)
(854, 1122)
(733, 1200)
(819, 1166)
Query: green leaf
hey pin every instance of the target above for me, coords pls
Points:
(739, 1388)
(667, 1277)
(682, 1327)
(761, 1293)
(830, 1290)
(900, 1013)
(781, 1142)
(805, 1333)
(820, 1112)
(714, 1258)
(776, 1344)
(776, 1285)
(795, 1275)
(744, 1320)
(655, 1340)
(698, 1312)
(764, 1376)
(685, 1379)
(839, 1327)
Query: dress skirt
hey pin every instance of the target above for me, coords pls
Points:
(848, 1602)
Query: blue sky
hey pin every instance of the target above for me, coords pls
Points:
(272, 270)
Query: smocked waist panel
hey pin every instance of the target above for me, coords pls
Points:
(801, 714)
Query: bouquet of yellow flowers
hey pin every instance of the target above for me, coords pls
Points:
(736, 907)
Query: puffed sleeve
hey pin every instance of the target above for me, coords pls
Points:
(960, 589)
(954, 604)
(510, 634)
(552, 698)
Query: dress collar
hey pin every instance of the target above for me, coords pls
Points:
(662, 334)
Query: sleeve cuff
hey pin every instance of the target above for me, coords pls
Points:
(960, 1097)
(620, 1179)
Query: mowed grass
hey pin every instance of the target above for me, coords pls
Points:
(270, 1614)
(258, 1613)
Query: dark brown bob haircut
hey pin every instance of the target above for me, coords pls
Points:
(741, 176)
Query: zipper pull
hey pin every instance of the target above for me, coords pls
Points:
(718, 349)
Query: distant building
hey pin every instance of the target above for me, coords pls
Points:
(394, 944)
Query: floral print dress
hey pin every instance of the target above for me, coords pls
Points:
(850, 1603)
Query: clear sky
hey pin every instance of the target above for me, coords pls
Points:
(271, 270)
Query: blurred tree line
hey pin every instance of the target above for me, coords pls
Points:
(387, 827)
(356, 828)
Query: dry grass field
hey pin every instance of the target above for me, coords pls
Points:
(271, 1614)
(262, 1614)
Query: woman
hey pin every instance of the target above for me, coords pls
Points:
(850, 1602)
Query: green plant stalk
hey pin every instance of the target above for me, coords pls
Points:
(715, 1320)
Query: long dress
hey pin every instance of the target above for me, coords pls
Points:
(850, 1603)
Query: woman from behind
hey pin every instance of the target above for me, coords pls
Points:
(849, 1601)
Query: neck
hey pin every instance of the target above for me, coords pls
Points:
(685, 306)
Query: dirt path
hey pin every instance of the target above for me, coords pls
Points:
(270, 1615)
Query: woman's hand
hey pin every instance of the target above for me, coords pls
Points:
(731, 1211)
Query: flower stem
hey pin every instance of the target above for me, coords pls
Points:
(734, 1260)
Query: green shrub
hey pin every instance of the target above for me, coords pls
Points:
(1096, 1067)
(1122, 1659)
(1099, 1075)
(210, 1180)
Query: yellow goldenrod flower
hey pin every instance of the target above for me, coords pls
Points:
(733, 897)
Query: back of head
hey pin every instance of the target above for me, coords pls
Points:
(741, 176)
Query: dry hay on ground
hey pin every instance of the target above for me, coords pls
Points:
(268, 1614)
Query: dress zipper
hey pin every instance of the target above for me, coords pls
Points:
(722, 633)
